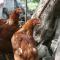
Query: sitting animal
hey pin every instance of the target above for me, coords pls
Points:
(23, 43)
(7, 30)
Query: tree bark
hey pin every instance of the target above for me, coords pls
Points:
(45, 12)
(48, 12)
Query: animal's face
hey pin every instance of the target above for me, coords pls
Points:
(36, 21)
(19, 10)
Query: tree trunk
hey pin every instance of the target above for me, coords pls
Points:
(48, 11)
(45, 12)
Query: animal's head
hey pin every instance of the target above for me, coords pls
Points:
(30, 24)
(18, 10)
(36, 21)
(14, 15)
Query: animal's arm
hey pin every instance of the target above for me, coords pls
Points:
(15, 41)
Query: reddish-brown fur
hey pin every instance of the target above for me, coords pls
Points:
(23, 43)
(2, 21)
(7, 30)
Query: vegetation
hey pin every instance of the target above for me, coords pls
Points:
(32, 5)
(36, 0)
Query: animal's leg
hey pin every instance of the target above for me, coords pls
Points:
(17, 57)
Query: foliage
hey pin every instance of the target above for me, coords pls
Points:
(36, 0)
(32, 6)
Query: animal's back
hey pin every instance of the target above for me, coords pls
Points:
(6, 33)
(25, 42)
